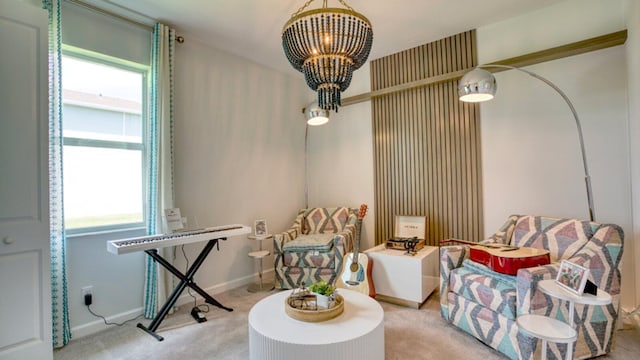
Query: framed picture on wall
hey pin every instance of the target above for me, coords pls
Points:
(572, 276)
(261, 227)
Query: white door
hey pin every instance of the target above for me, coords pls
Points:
(25, 285)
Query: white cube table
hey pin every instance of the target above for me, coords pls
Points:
(404, 279)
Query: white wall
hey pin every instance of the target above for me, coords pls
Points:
(340, 170)
(239, 151)
(239, 154)
(633, 80)
(89, 30)
(531, 157)
(341, 158)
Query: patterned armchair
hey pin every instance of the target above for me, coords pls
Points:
(485, 304)
(313, 248)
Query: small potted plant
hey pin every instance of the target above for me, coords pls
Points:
(324, 293)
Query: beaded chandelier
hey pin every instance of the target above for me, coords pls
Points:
(327, 45)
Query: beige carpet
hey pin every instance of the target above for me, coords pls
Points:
(409, 334)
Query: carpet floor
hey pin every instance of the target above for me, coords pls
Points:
(409, 334)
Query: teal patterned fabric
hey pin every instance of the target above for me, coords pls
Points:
(317, 242)
(451, 257)
(504, 234)
(562, 237)
(490, 291)
(316, 257)
(313, 259)
(159, 161)
(325, 220)
(59, 299)
(479, 302)
(493, 329)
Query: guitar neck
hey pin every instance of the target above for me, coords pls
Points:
(449, 242)
(357, 239)
(361, 213)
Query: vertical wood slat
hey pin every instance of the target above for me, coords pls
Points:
(427, 143)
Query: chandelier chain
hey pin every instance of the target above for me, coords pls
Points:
(346, 5)
(324, 4)
(302, 8)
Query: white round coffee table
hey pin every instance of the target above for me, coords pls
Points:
(357, 333)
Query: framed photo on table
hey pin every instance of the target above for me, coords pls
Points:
(261, 227)
(572, 277)
(410, 226)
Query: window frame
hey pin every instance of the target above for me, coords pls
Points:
(144, 70)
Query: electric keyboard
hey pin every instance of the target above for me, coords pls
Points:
(143, 243)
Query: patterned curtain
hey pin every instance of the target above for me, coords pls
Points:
(59, 301)
(158, 282)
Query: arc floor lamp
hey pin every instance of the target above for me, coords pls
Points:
(480, 85)
(315, 116)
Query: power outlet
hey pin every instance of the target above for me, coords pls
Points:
(87, 290)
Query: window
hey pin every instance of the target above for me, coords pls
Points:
(104, 145)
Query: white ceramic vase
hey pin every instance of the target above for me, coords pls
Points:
(322, 301)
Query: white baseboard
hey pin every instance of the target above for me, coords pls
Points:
(99, 325)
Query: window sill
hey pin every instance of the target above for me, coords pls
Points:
(109, 234)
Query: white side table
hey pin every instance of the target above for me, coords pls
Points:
(551, 287)
(547, 329)
(404, 279)
(260, 254)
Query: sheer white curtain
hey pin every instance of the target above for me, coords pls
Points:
(59, 301)
(158, 282)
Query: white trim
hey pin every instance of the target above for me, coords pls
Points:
(98, 325)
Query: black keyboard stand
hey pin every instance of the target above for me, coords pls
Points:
(185, 280)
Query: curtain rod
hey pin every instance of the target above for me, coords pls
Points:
(94, 8)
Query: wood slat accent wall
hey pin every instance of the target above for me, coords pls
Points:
(427, 143)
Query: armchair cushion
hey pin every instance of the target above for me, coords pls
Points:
(481, 285)
(311, 242)
(313, 250)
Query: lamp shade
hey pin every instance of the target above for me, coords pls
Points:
(477, 85)
(315, 115)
